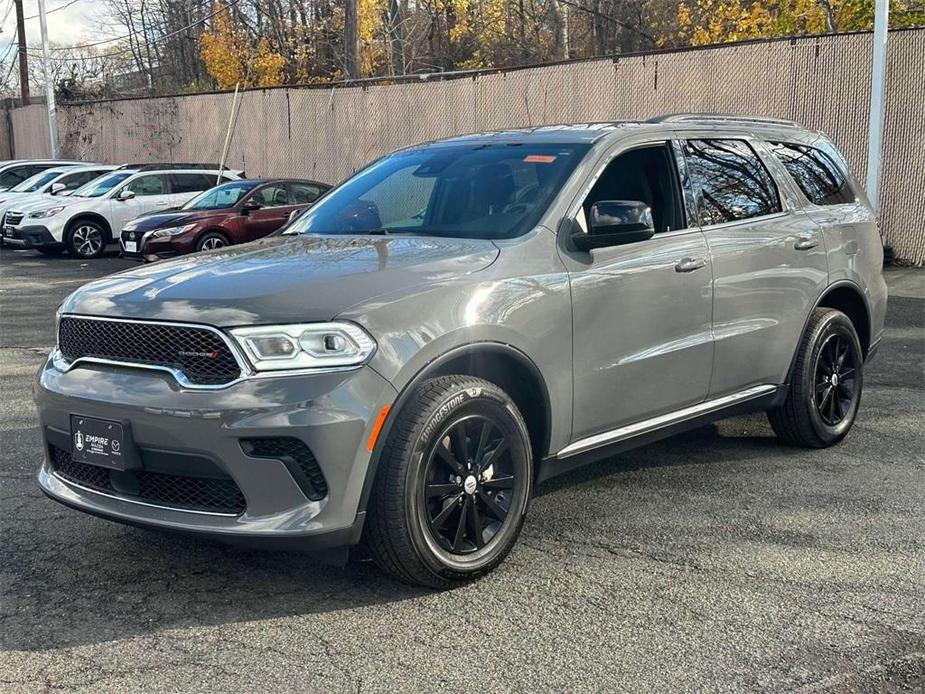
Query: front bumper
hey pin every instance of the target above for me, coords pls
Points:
(35, 236)
(333, 414)
(149, 249)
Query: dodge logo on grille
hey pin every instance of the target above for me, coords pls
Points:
(208, 355)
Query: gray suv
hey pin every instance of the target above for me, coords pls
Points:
(461, 320)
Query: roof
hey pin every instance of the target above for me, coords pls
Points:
(592, 132)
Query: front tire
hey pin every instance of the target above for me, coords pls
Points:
(825, 385)
(454, 481)
(86, 239)
(211, 241)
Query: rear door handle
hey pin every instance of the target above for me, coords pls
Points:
(805, 244)
(689, 264)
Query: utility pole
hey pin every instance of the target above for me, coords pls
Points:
(877, 82)
(23, 58)
(352, 39)
(49, 87)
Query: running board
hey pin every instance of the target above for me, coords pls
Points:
(601, 445)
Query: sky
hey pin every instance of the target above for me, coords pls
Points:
(68, 26)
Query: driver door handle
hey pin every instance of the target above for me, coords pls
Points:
(805, 243)
(689, 264)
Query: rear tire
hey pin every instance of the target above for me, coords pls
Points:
(86, 239)
(825, 385)
(453, 484)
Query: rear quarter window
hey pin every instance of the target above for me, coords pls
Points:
(822, 181)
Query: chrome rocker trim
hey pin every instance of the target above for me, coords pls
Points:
(649, 425)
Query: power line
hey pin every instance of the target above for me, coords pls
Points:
(134, 34)
(6, 15)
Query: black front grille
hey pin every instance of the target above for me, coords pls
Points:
(296, 456)
(201, 354)
(219, 495)
(12, 218)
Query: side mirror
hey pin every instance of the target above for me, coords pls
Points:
(250, 206)
(57, 188)
(125, 195)
(615, 222)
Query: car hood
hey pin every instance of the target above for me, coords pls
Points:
(280, 279)
(158, 220)
(39, 201)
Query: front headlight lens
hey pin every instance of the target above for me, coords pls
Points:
(305, 345)
(47, 212)
(171, 231)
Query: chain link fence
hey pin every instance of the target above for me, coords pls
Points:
(326, 133)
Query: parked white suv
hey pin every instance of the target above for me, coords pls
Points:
(92, 217)
(15, 171)
(59, 181)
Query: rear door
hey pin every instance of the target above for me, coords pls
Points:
(186, 186)
(769, 259)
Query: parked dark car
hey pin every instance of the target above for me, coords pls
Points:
(228, 214)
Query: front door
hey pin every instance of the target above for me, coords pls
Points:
(274, 210)
(769, 260)
(150, 195)
(642, 343)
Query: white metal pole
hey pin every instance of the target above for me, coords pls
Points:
(49, 87)
(877, 104)
(232, 117)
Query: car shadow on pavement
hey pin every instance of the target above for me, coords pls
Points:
(703, 445)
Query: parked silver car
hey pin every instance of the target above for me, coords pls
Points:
(461, 320)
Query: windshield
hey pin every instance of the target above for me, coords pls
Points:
(220, 197)
(485, 191)
(101, 185)
(33, 183)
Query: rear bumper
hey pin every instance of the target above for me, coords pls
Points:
(35, 236)
(184, 432)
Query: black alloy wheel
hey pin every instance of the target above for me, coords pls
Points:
(468, 484)
(836, 373)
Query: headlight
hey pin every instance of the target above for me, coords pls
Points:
(305, 345)
(171, 231)
(47, 212)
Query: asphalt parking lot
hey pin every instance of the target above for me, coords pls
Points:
(714, 561)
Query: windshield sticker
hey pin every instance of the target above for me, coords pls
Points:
(540, 158)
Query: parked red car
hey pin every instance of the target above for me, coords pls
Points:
(231, 213)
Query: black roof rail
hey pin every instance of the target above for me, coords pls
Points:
(728, 117)
(156, 166)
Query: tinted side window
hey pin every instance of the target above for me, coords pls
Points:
(304, 193)
(190, 183)
(729, 181)
(820, 179)
(272, 196)
(16, 175)
(75, 180)
(147, 185)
